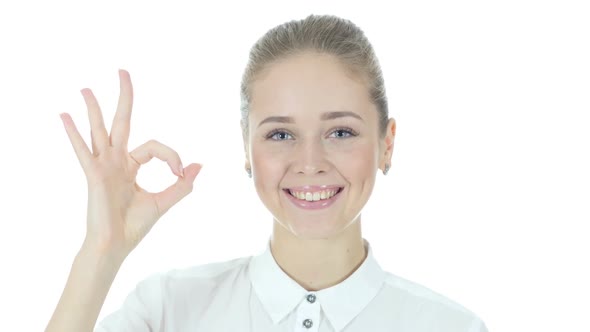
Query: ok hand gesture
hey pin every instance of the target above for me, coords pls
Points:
(120, 213)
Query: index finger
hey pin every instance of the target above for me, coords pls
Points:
(121, 123)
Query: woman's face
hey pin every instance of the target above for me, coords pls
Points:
(313, 144)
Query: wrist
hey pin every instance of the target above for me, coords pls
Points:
(99, 259)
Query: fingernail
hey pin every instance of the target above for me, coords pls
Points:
(181, 170)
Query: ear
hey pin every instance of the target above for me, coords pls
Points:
(387, 144)
(245, 144)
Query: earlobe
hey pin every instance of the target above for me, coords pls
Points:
(248, 168)
(386, 169)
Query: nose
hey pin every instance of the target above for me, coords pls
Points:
(310, 158)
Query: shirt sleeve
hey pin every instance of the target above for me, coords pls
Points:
(141, 311)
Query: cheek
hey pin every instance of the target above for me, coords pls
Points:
(268, 166)
(357, 160)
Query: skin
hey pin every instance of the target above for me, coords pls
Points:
(291, 144)
(317, 249)
(120, 212)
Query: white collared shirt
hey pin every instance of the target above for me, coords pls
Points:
(254, 294)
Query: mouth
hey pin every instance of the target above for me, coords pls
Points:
(311, 198)
(314, 195)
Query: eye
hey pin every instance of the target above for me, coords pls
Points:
(278, 135)
(343, 133)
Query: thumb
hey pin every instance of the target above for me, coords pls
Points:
(183, 186)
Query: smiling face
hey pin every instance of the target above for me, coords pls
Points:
(313, 144)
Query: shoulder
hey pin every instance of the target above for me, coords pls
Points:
(197, 279)
(420, 301)
(421, 293)
(209, 270)
(204, 274)
(164, 296)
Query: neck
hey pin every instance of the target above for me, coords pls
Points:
(316, 264)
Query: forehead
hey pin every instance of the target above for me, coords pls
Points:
(306, 84)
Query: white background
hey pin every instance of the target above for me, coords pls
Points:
(487, 201)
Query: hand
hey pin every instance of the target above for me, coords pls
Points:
(120, 213)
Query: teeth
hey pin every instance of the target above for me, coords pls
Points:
(315, 196)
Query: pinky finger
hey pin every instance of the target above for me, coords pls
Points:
(80, 148)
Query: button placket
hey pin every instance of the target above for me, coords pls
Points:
(308, 314)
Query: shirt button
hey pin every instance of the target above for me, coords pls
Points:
(307, 323)
(311, 298)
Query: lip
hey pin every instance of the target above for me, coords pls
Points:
(313, 188)
(321, 204)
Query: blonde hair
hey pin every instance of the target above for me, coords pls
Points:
(323, 34)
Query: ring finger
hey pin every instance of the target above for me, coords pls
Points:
(97, 129)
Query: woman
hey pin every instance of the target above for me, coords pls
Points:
(316, 129)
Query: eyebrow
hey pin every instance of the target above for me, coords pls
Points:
(325, 116)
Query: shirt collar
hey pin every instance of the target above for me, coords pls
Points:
(340, 303)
